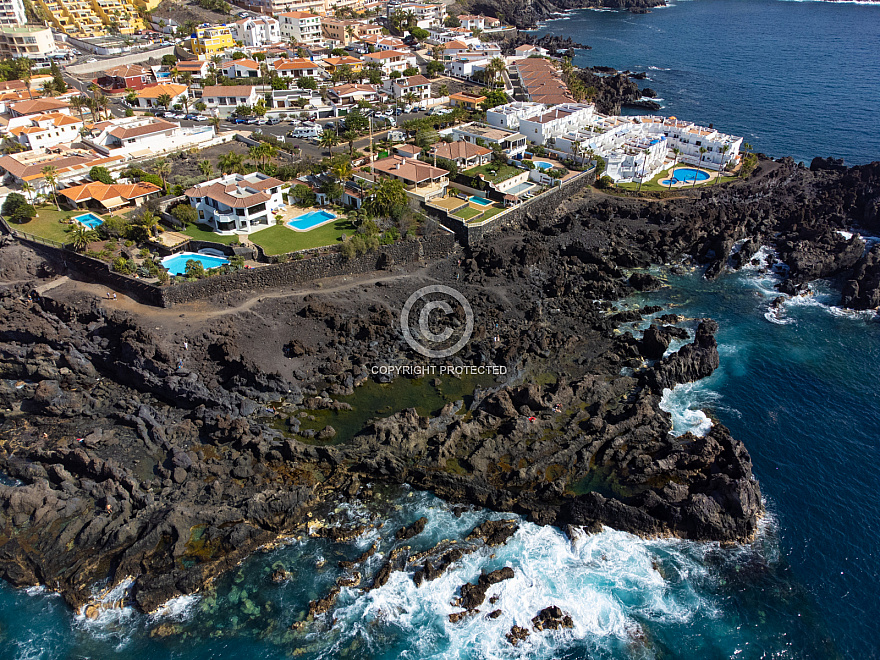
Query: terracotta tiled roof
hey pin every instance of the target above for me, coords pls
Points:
(462, 149)
(299, 14)
(247, 64)
(385, 54)
(155, 91)
(227, 90)
(128, 71)
(103, 191)
(412, 81)
(408, 169)
(38, 106)
(294, 64)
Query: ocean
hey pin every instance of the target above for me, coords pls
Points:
(798, 79)
(799, 388)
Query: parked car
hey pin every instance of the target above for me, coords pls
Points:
(191, 116)
(261, 122)
(407, 108)
(330, 125)
(273, 121)
(239, 120)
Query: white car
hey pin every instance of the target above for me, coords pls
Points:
(407, 109)
(91, 59)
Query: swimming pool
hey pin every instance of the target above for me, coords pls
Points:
(311, 220)
(90, 220)
(686, 175)
(519, 189)
(176, 263)
(543, 165)
(482, 201)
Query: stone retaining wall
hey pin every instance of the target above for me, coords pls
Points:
(301, 271)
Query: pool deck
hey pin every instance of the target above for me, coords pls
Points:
(293, 212)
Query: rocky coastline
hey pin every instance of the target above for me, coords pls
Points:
(525, 15)
(164, 446)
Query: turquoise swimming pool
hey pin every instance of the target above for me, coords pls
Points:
(311, 220)
(482, 201)
(90, 220)
(543, 165)
(176, 263)
(685, 175)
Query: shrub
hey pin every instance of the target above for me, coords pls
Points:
(101, 174)
(13, 201)
(124, 266)
(114, 227)
(194, 269)
(303, 194)
(604, 182)
(23, 214)
(185, 214)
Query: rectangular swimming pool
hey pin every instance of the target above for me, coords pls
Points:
(176, 263)
(311, 220)
(519, 188)
(90, 220)
(482, 201)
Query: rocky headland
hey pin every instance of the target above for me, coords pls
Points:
(162, 446)
(525, 15)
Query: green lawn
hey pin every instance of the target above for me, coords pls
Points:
(205, 233)
(466, 213)
(654, 184)
(281, 240)
(490, 212)
(48, 223)
(502, 172)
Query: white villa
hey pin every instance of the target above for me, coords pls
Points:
(141, 137)
(509, 116)
(556, 121)
(512, 143)
(46, 130)
(637, 148)
(237, 203)
(257, 31)
(222, 100)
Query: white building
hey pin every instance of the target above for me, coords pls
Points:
(556, 121)
(426, 15)
(149, 97)
(243, 68)
(12, 12)
(418, 86)
(237, 203)
(297, 67)
(509, 116)
(391, 60)
(720, 149)
(301, 27)
(46, 130)
(141, 137)
(378, 42)
(512, 143)
(222, 100)
(466, 65)
(257, 31)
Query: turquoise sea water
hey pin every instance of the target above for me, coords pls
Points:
(797, 79)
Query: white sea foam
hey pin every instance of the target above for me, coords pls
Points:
(176, 609)
(683, 402)
(606, 582)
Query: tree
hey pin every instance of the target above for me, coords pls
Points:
(410, 71)
(676, 152)
(435, 68)
(444, 90)
(164, 100)
(48, 88)
(328, 139)
(215, 124)
(205, 167)
(702, 151)
(58, 79)
(78, 103)
(131, 98)
(350, 136)
(303, 194)
(200, 106)
(724, 149)
(243, 110)
(50, 174)
(388, 196)
(451, 21)
(101, 174)
(494, 97)
(419, 33)
(194, 269)
(142, 225)
(341, 170)
(230, 162)
(25, 67)
(169, 60)
(260, 108)
(102, 103)
(356, 121)
(307, 82)
(13, 201)
(28, 190)
(162, 168)
(333, 190)
(185, 214)
(81, 236)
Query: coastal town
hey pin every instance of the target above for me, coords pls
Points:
(179, 151)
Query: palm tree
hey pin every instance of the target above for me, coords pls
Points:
(437, 52)
(644, 165)
(230, 162)
(676, 152)
(103, 103)
(50, 174)
(164, 100)
(724, 149)
(163, 169)
(702, 151)
(215, 122)
(342, 170)
(28, 190)
(410, 97)
(186, 78)
(81, 236)
(25, 69)
(77, 103)
(48, 88)
(328, 139)
(350, 32)
(444, 90)
(205, 167)
(350, 137)
(498, 67)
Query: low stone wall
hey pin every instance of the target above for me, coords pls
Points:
(301, 271)
(543, 205)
